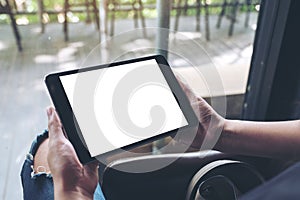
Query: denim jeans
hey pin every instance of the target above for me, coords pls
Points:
(40, 186)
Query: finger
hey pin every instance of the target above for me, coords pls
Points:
(196, 108)
(54, 125)
(92, 168)
(181, 81)
(187, 90)
(184, 85)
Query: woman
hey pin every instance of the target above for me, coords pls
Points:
(55, 156)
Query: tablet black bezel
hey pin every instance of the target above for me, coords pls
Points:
(70, 124)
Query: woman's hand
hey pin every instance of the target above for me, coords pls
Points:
(72, 180)
(210, 122)
(265, 139)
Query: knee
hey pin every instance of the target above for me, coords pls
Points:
(40, 163)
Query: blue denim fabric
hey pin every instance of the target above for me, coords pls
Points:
(40, 186)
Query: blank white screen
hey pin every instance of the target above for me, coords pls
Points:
(105, 132)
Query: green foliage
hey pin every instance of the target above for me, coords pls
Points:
(57, 5)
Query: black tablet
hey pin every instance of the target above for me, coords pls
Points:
(119, 105)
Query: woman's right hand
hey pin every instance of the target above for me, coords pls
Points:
(210, 122)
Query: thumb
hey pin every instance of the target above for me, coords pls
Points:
(54, 125)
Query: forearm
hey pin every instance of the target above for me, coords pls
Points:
(268, 139)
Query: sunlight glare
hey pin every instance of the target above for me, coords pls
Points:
(254, 26)
(247, 51)
(2, 45)
(187, 35)
(22, 21)
(45, 59)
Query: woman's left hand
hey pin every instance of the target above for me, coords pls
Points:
(72, 180)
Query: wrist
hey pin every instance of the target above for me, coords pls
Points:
(63, 193)
(228, 129)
